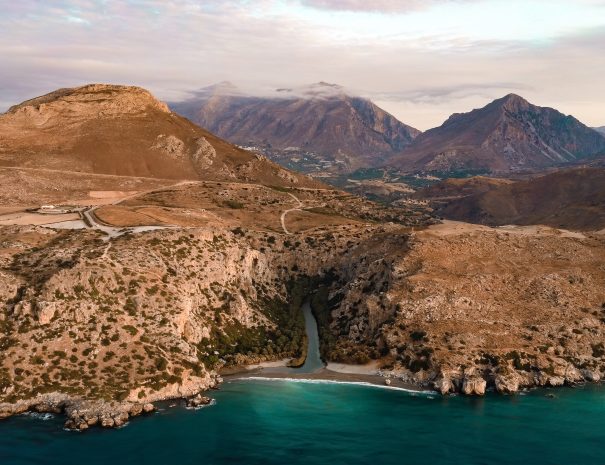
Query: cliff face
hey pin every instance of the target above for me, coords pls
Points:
(321, 118)
(125, 131)
(101, 328)
(509, 134)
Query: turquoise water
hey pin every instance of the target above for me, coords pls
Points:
(281, 422)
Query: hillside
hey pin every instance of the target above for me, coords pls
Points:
(600, 129)
(321, 121)
(507, 135)
(124, 131)
(569, 199)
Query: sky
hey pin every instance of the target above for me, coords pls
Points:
(421, 60)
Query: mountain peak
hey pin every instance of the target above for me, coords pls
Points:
(508, 134)
(320, 118)
(513, 102)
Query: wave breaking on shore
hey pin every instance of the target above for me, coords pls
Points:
(429, 394)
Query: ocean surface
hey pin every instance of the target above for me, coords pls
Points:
(285, 422)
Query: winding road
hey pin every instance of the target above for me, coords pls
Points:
(283, 215)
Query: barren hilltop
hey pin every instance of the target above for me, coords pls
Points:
(124, 131)
(168, 255)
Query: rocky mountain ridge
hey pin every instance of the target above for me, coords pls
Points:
(323, 120)
(507, 135)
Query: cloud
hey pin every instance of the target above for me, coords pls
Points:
(417, 70)
(384, 6)
(438, 95)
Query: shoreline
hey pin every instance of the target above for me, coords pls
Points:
(334, 373)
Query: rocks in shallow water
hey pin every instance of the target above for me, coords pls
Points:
(507, 383)
(198, 401)
(106, 416)
(473, 385)
(149, 407)
(444, 385)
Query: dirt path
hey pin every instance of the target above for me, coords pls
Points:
(283, 215)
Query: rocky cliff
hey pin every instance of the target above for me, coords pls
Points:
(464, 308)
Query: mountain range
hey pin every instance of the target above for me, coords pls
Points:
(321, 119)
(335, 131)
(507, 135)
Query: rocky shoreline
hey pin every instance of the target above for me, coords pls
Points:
(81, 414)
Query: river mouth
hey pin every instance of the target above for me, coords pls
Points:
(315, 370)
(313, 362)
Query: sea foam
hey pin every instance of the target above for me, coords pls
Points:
(428, 394)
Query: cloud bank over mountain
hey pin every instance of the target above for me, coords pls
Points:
(419, 60)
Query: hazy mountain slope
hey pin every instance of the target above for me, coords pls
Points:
(600, 129)
(120, 130)
(509, 134)
(321, 118)
(570, 199)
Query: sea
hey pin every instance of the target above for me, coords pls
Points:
(262, 421)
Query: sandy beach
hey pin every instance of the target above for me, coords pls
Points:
(335, 372)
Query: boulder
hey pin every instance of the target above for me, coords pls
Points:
(592, 376)
(507, 383)
(573, 375)
(148, 407)
(556, 381)
(135, 410)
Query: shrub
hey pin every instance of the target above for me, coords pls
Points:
(233, 204)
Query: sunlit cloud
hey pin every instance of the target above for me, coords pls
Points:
(421, 60)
